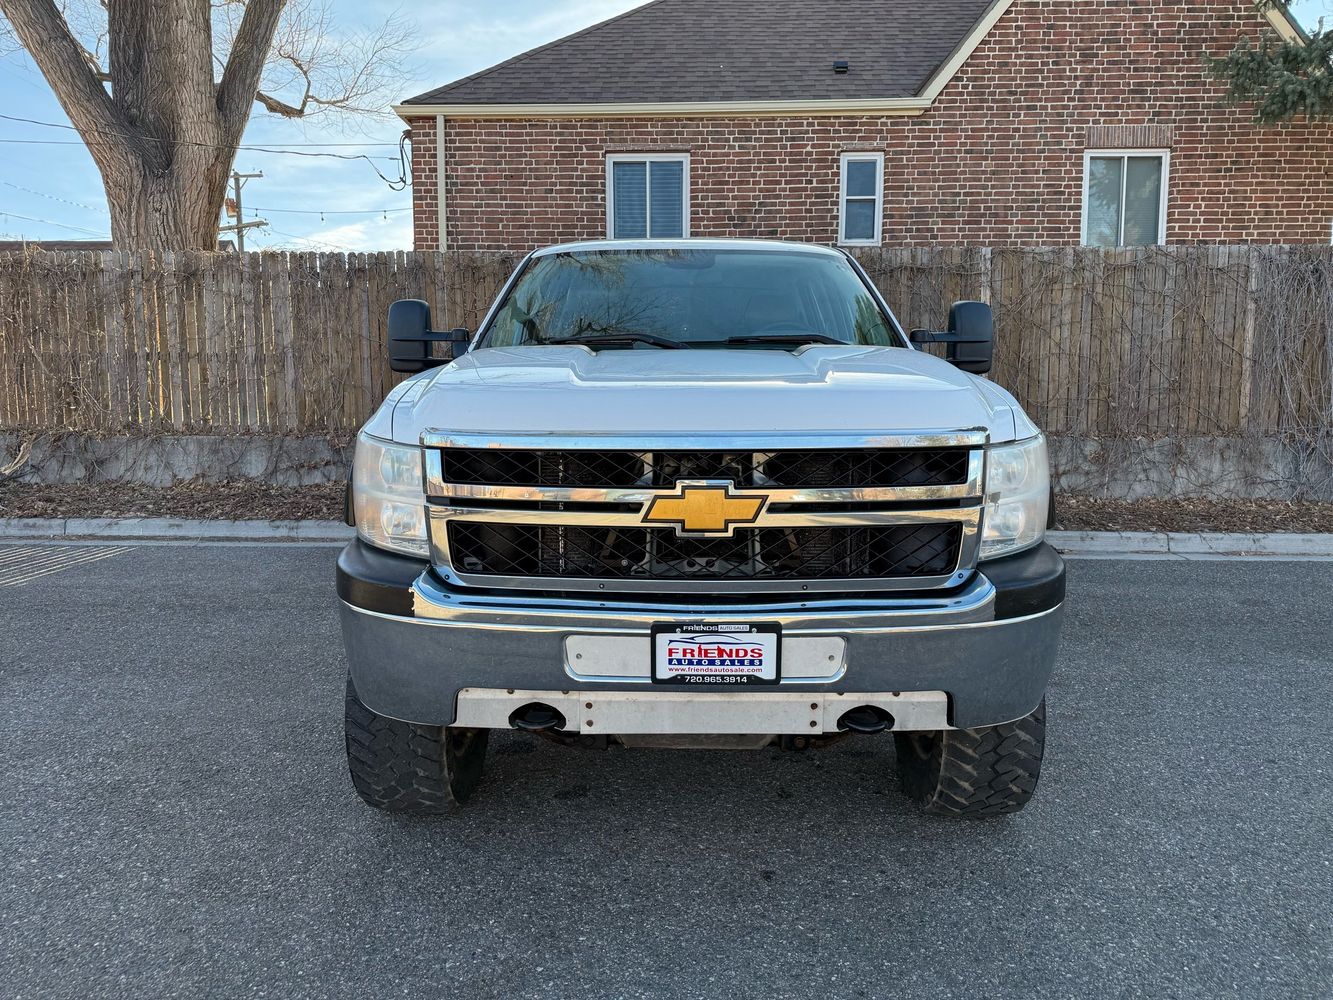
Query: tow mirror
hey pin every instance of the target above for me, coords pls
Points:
(410, 337)
(970, 337)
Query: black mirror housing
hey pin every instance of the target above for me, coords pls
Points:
(970, 337)
(410, 337)
(409, 322)
(974, 326)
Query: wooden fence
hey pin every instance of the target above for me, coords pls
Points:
(215, 342)
(1179, 341)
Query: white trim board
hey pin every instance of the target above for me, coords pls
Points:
(844, 159)
(671, 109)
(1283, 24)
(648, 158)
(441, 216)
(950, 67)
(1163, 154)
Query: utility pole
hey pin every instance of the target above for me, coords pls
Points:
(234, 210)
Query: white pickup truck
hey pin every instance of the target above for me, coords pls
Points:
(698, 494)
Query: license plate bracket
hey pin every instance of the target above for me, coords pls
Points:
(716, 654)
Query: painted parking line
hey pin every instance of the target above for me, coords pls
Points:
(23, 564)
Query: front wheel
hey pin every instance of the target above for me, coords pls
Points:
(404, 767)
(974, 772)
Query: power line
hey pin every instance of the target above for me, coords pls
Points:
(185, 142)
(257, 208)
(58, 225)
(52, 197)
(340, 248)
(337, 211)
(249, 149)
(397, 185)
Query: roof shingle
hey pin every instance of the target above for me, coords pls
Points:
(731, 50)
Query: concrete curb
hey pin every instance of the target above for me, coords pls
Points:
(1076, 544)
(174, 529)
(1192, 545)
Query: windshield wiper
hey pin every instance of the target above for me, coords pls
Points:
(786, 338)
(620, 338)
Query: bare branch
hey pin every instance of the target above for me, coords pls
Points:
(245, 65)
(94, 63)
(87, 21)
(314, 68)
(274, 106)
(161, 91)
(62, 60)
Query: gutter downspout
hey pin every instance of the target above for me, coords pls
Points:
(441, 148)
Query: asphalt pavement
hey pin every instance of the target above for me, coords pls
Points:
(176, 817)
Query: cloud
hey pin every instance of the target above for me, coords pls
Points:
(395, 233)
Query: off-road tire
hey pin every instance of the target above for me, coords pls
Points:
(973, 772)
(403, 767)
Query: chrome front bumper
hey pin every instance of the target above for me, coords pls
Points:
(946, 659)
(658, 712)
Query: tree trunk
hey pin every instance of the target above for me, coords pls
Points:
(175, 209)
(166, 133)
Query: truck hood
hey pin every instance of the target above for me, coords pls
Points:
(834, 389)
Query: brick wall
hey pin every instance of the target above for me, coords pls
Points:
(997, 160)
(425, 185)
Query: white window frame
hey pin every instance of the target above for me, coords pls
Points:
(861, 157)
(1162, 154)
(613, 158)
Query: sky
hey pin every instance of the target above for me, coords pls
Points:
(49, 188)
(313, 203)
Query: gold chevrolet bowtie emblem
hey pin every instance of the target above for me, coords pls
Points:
(704, 508)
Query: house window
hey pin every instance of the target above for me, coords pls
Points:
(1124, 197)
(647, 196)
(861, 199)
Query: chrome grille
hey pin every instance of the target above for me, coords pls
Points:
(558, 550)
(833, 467)
(842, 513)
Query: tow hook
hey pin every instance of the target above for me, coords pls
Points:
(536, 717)
(866, 719)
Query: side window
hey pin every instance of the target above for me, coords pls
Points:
(647, 196)
(861, 199)
(1124, 198)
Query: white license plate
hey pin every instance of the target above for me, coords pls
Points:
(722, 655)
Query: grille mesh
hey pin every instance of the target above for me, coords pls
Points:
(832, 468)
(859, 553)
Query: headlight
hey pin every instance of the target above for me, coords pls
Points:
(389, 496)
(1018, 492)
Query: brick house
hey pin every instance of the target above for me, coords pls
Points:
(861, 122)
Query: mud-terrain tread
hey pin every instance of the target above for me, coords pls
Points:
(974, 772)
(402, 767)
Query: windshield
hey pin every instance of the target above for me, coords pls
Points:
(704, 298)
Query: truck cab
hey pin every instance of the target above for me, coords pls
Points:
(698, 493)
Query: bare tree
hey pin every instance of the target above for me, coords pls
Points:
(161, 91)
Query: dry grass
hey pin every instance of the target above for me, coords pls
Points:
(1078, 513)
(237, 500)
